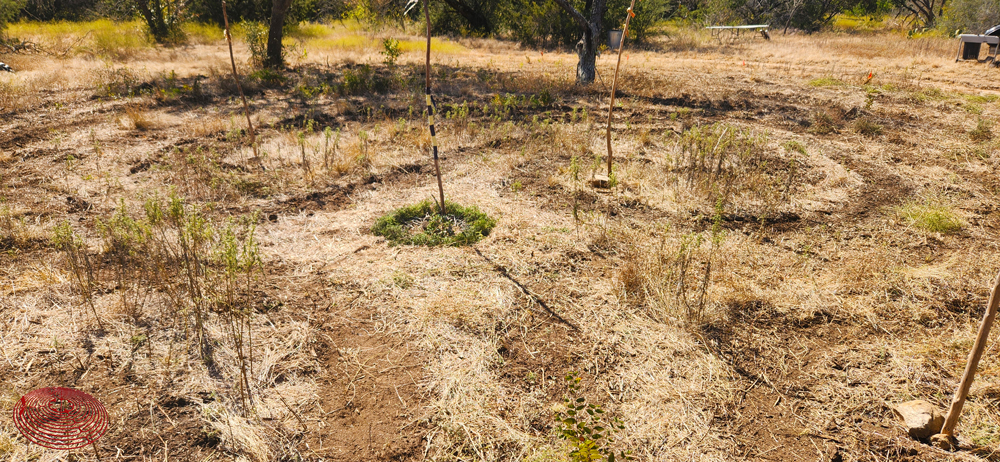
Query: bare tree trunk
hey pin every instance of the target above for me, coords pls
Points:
(586, 48)
(279, 8)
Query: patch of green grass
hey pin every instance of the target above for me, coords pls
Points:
(980, 428)
(827, 82)
(103, 37)
(119, 40)
(795, 146)
(437, 46)
(931, 215)
(201, 33)
(979, 99)
(421, 224)
(930, 94)
(269, 77)
(973, 108)
(309, 30)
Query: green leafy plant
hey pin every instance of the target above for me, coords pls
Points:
(586, 426)
(255, 35)
(421, 224)
(391, 51)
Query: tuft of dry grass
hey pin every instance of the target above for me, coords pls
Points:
(982, 132)
(137, 117)
(867, 127)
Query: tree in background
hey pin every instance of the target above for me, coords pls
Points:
(163, 19)
(275, 58)
(586, 48)
(807, 15)
(480, 16)
(8, 11)
(541, 24)
(922, 12)
(67, 10)
(971, 16)
(648, 13)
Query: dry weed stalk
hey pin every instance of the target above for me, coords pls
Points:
(727, 166)
(82, 267)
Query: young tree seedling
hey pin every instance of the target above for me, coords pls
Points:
(239, 86)
(430, 106)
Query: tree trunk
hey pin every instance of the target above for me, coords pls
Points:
(586, 67)
(586, 48)
(152, 13)
(279, 8)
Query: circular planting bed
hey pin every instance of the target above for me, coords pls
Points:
(421, 224)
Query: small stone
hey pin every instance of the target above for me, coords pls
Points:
(921, 418)
(942, 441)
(600, 181)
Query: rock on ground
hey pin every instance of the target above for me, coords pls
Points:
(921, 418)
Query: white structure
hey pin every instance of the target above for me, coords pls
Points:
(734, 31)
(969, 46)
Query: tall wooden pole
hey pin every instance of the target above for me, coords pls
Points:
(614, 83)
(974, 356)
(430, 104)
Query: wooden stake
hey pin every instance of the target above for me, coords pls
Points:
(614, 83)
(430, 104)
(974, 356)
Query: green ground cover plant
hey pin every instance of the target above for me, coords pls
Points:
(420, 224)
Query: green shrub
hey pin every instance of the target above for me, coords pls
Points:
(795, 146)
(421, 224)
(9, 10)
(255, 36)
(390, 51)
(971, 16)
(589, 431)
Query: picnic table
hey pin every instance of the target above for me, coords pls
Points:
(735, 31)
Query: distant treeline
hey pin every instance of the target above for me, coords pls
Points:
(537, 23)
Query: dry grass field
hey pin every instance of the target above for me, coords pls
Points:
(789, 247)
